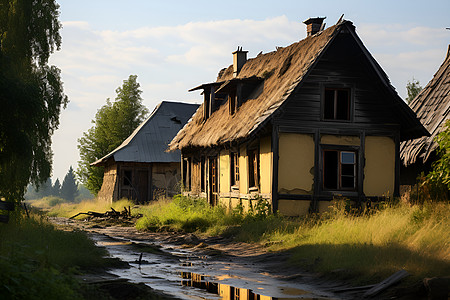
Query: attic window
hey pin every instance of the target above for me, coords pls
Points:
(232, 103)
(336, 104)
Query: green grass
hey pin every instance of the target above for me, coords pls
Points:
(367, 246)
(37, 261)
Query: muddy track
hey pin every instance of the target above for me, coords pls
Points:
(215, 250)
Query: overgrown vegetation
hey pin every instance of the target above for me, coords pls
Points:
(369, 245)
(37, 261)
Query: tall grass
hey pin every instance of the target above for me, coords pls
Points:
(188, 215)
(37, 261)
(368, 246)
(415, 238)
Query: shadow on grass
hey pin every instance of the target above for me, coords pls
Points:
(364, 264)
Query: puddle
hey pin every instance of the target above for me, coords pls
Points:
(182, 274)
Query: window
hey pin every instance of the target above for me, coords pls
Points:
(253, 168)
(232, 103)
(336, 104)
(234, 168)
(127, 177)
(202, 174)
(187, 173)
(339, 170)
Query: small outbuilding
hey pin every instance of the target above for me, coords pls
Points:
(432, 106)
(298, 127)
(140, 168)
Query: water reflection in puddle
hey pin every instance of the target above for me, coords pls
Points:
(186, 276)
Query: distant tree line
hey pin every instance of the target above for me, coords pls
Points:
(69, 190)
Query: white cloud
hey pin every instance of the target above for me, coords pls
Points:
(171, 59)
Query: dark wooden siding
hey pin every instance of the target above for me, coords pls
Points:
(342, 65)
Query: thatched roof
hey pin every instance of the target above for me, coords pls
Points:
(282, 70)
(221, 127)
(432, 106)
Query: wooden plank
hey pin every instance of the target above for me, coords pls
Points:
(6, 205)
(4, 218)
(275, 162)
(391, 280)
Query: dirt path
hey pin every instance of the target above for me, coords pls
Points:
(217, 249)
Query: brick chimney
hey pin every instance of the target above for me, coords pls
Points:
(239, 59)
(314, 25)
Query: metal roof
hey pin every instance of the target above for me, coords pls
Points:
(148, 143)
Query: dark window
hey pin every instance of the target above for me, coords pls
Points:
(234, 168)
(253, 168)
(127, 179)
(336, 104)
(233, 103)
(202, 174)
(185, 173)
(339, 170)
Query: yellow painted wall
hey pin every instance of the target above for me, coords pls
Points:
(293, 207)
(224, 172)
(265, 165)
(243, 170)
(296, 163)
(379, 171)
(340, 140)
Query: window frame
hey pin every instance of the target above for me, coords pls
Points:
(350, 89)
(234, 169)
(253, 168)
(357, 165)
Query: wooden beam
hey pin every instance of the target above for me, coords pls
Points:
(391, 280)
(6, 205)
(317, 172)
(397, 165)
(275, 158)
(361, 165)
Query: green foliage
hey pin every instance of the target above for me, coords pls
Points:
(113, 123)
(413, 88)
(439, 176)
(37, 261)
(69, 189)
(31, 93)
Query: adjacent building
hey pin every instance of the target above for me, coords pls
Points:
(140, 168)
(432, 106)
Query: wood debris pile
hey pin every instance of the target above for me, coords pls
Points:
(109, 215)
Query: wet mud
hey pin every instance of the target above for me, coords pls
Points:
(186, 267)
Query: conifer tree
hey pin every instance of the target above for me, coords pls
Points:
(69, 188)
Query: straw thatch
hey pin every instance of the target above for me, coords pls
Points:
(432, 106)
(280, 80)
(282, 70)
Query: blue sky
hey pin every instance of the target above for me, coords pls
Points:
(175, 45)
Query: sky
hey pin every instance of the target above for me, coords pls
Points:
(173, 46)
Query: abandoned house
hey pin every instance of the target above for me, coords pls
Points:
(432, 106)
(140, 169)
(298, 127)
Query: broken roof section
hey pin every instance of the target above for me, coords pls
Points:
(283, 71)
(432, 106)
(148, 143)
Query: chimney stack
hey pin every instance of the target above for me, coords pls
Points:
(239, 59)
(314, 25)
